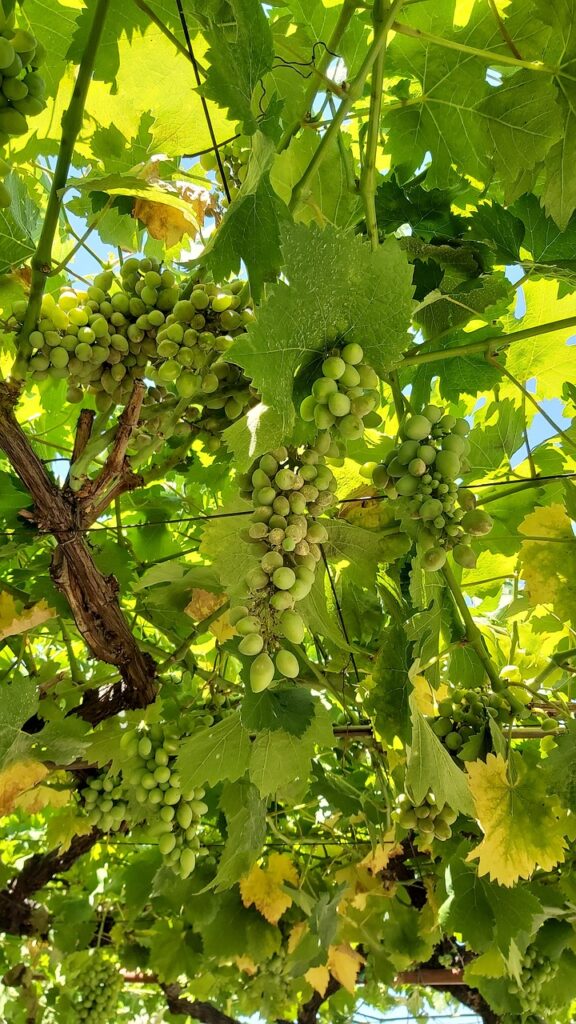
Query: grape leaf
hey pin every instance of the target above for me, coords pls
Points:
(521, 824)
(264, 886)
(250, 229)
(218, 752)
(238, 57)
(173, 951)
(495, 442)
(389, 686)
(549, 566)
(336, 284)
(246, 819)
(547, 357)
(560, 766)
(288, 708)
(18, 704)
(431, 767)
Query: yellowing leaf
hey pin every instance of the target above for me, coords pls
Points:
(318, 977)
(16, 780)
(202, 604)
(344, 963)
(246, 964)
(549, 569)
(264, 887)
(382, 853)
(296, 935)
(13, 620)
(518, 818)
(548, 357)
(34, 800)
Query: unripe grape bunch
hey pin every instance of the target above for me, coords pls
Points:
(429, 818)
(97, 989)
(288, 490)
(234, 155)
(191, 346)
(22, 88)
(173, 814)
(463, 721)
(149, 790)
(537, 971)
(344, 399)
(421, 474)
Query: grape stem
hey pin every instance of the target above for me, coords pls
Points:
(354, 93)
(488, 346)
(473, 634)
(474, 51)
(71, 123)
(368, 174)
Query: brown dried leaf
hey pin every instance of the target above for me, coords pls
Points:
(165, 222)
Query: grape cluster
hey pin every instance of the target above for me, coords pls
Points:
(149, 790)
(98, 339)
(98, 988)
(191, 342)
(428, 818)
(22, 88)
(344, 398)
(421, 473)
(287, 490)
(537, 971)
(157, 788)
(116, 331)
(463, 719)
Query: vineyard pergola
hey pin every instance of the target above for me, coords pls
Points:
(287, 506)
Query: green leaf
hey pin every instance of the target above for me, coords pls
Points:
(287, 708)
(240, 54)
(172, 949)
(330, 199)
(120, 184)
(246, 932)
(499, 228)
(336, 284)
(279, 757)
(390, 688)
(493, 444)
(250, 229)
(219, 752)
(431, 767)
(19, 701)
(225, 552)
(246, 819)
(560, 767)
(18, 226)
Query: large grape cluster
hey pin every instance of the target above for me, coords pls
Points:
(100, 339)
(104, 338)
(98, 988)
(287, 490)
(149, 790)
(431, 819)
(422, 474)
(157, 787)
(344, 399)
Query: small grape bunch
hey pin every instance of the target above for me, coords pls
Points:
(421, 474)
(234, 155)
(148, 285)
(98, 989)
(287, 489)
(344, 399)
(22, 88)
(537, 971)
(105, 801)
(173, 814)
(428, 818)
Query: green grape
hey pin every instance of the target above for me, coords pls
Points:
(287, 664)
(416, 428)
(477, 522)
(261, 672)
